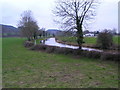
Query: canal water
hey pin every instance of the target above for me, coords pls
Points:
(52, 42)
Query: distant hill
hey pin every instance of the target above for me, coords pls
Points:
(54, 32)
(9, 31)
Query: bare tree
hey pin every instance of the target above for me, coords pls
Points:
(28, 25)
(73, 15)
(42, 32)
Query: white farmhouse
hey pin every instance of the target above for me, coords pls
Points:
(89, 35)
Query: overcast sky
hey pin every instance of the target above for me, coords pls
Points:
(107, 13)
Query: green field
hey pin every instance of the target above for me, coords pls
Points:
(23, 68)
(0, 62)
(87, 40)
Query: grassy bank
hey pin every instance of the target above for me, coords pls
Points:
(87, 40)
(23, 68)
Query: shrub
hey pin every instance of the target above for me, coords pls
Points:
(77, 52)
(28, 44)
(39, 47)
(105, 40)
(91, 54)
(110, 56)
(68, 51)
(62, 50)
(118, 47)
(96, 55)
(58, 50)
(50, 49)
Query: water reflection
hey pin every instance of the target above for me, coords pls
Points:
(52, 42)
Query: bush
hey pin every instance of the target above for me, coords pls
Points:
(105, 40)
(62, 50)
(50, 49)
(91, 54)
(118, 47)
(28, 44)
(68, 51)
(39, 47)
(77, 52)
(110, 56)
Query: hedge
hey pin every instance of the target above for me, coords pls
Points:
(62, 50)
(28, 44)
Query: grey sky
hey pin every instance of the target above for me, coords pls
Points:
(107, 13)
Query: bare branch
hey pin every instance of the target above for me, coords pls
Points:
(28, 25)
(74, 13)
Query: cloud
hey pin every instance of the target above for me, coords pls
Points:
(107, 14)
(11, 10)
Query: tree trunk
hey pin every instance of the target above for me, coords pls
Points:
(80, 37)
(80, 46)
(79, 41)
(79, 31)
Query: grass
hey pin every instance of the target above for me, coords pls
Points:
(0, 62)
(41, 38)
(87, 40)
(23, 68)
(90, 40)
(116, 39)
